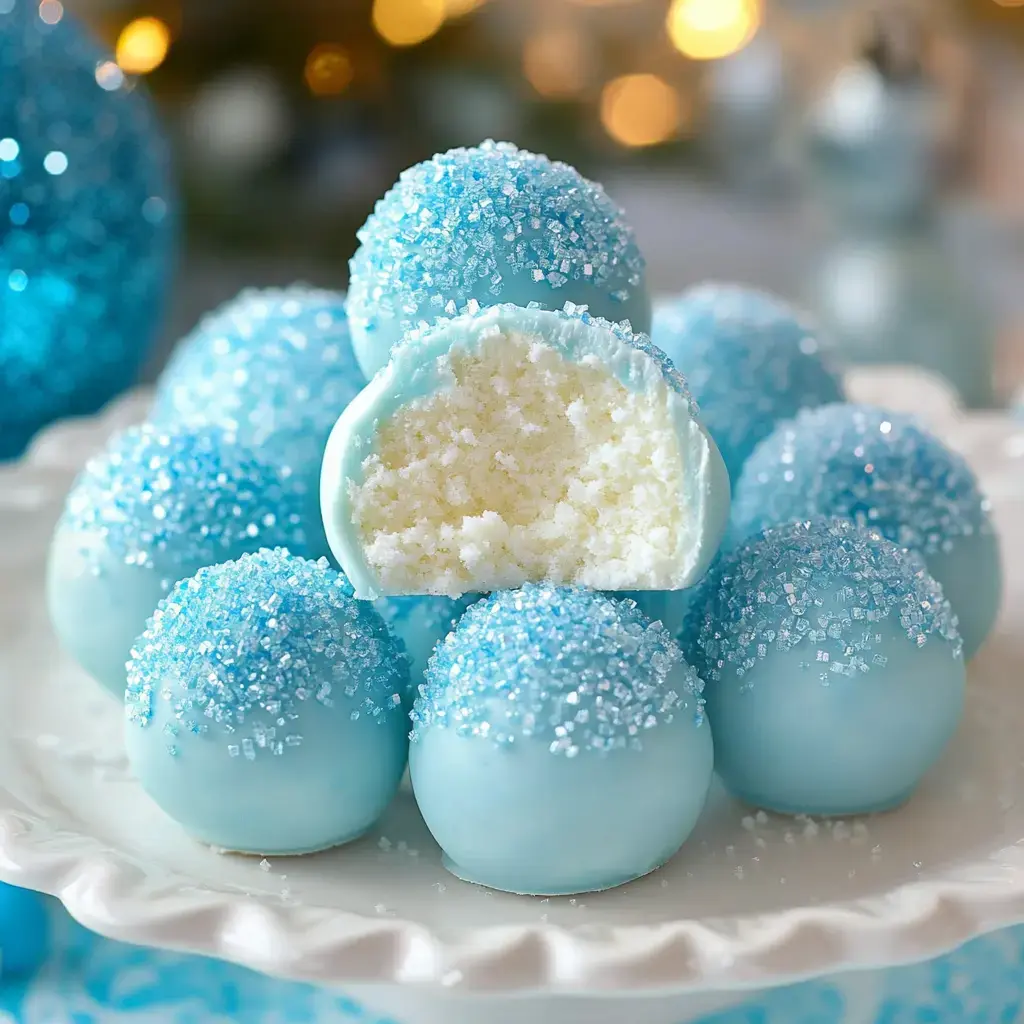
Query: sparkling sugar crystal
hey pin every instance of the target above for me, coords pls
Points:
(486, 215)
(264, 633)
(171, 500)
(819, 586)
(273, 366)
(882, 470)
(750, 358)
(575, 668)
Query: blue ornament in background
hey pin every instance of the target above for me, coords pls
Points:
(885, 289)
(86, 223)
(24, 931)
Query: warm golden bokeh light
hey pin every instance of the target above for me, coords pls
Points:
(640, 110)
(1010, 3)
(407, 22)
(602, 3)
(457, 8)
(554, 62)
(328, 70)
(142, 45)
(711, 29)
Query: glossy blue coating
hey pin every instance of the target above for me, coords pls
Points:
(883, 470)
(421, 623)
(750, 359)
(152, 509)
(834, 672)
(559, 743)
(471, 228)
(419, 368)
(24, 932)
(87, 223)
(273, 366)
(263, 707)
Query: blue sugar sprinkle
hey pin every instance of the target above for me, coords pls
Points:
(823, 585)
(751, 361)
(879, 469)
(574, 668)
(462, 227)
(177, 501)
(274, 367)
(239, 648)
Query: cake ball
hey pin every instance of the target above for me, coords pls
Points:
(559, 743)
(475, 227)
(264, 707)
(274, 367)
(833, 667)
(751, 360)
(522, 445)
(885, 471)
(152, 509)
(421, 623)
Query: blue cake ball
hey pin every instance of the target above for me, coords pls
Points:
(421, 623)
(474, 227)
(518, 445)
(885, 471)
(833, 667)
(24, 932)
(264, 707)
(153, 509)
(751, 360)
(559, 743)
(274, 367)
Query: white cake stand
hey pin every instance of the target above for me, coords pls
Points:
(752, 902)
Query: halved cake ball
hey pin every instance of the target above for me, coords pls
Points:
(559, 743)
(264, 707)
(518, 444)
(471, 228)
(152, 509)
(833, 669)
(886, 471)
(274, 367)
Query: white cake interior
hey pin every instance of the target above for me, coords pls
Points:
(527, 467)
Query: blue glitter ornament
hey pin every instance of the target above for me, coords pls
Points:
(86, 223)
(421, 623)
(750, 359)
(153, 509)
(264, 707)
(884, 471)
(471, 228)
(24, 931)
(519, 445)
(833, 668)
(274, 367)
(559, 743)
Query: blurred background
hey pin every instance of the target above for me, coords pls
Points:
(864, 159)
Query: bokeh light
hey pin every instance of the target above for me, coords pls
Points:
(711, 29)
(640, 110)
(142, 45)
(328, 70)
(458, 8)
(554, 62)
(51, 11)
(408, 22)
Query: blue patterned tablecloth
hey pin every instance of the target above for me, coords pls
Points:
(91, 980)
